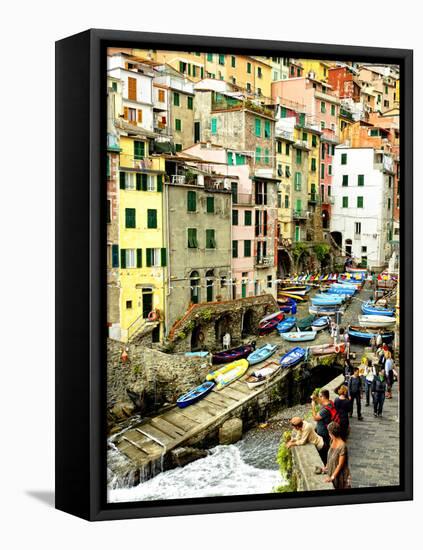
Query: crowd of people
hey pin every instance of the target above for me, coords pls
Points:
(372, 381)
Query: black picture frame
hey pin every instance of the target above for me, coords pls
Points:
(80, 273)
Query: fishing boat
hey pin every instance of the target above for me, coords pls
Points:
(326, 349)
(298, 290)
(276, 314)
(229, 355)
(342, 289)
(286, 325)
(194, 395)
(295, 297)
(370, 308)
(324, 310)
(262, 353)
(320, 324)
(293, 357)
(356, 270)
(230, 376)
(263, 375)
(305, 322)
(213, 375)
(376, 321)
(196, 354)
(363, 335)
(287, 305)
(268, 326)
(329, 300)
(298, 336)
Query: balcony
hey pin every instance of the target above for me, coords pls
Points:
(113, 143)
(284, 242)
(299, 214)
(346, 114)
(314, 198)
(264, 261)
(327, 97)
(242, 199)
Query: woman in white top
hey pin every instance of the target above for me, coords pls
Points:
(389, 370)
(369, 374)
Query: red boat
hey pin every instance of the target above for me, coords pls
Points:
(268, 325)
(229, 355)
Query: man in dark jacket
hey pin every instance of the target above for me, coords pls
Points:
(354, 392)
(378, 392)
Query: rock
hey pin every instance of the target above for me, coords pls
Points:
(230, 432)
(185, 455)
(122, 410)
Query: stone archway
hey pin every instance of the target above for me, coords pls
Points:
(337, 238)
(221, 326)
(325, 219)
(285, 263)
(248, 325)
(197, 338)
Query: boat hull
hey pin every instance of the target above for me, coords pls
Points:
(293, 357)
(298, 336)
(261, 354)
(286, 325)
(223, 380)
(194, 395)
(232, 355)
(362, 336)
(376, 321)
(263, 375)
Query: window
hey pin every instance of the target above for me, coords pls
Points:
(266, 156)
(269, 281)
(329, 190)
(214, 125)
(287, 171)
(192, 201)
(182, 67)
(161, 96)
(190, 102)
(279, 200)
(150, 182)
(130, 257)
(389, 203)
(233, 61)
(286, 204)
(344, 202)
(314, 140)
(330, 169)
(239, 159)
(114, 86)
(234, 249)
(221, 59)
(297, 181)
(357, 228)
(364, 249)
(247, 248)
(192, 238)
(259, 72)
(178, 147)
(258, 127)
(248, 87)
(258, 154)
(302, 119)
(344, 158)
(360, 180)
(332, 110)
(298, 156)
(210, 239)
(109, 211)
(155, 257)
(234, 217)
(139, 150)
(313, 164)
(345, 180)
(128, 304)
(152, 219)
(195, 287)
(390, 181)
(178, 125)
(279, 147)
(287, 149)
(209, 57)
(322, 125)
(333, 150)
(234, 191)
(283, 112)
(248, 217)
(210, 205)
(267, 133)
(130, 218)
(360, 202)
(132, 88)
(322, 107)
(176, 99)
(322, 170)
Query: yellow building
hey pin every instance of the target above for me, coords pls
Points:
(284, 151)
(316, 66)
(311, 139)
(143, 256)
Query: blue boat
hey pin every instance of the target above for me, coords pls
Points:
(293, 357)
(328, 300)
(194, 395)
(286, 325)
(320, 323)
(262, 353)
(337, 290)
(369, 308)
(363, 336)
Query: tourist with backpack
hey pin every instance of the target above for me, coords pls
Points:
(323, 417)
(354, 392)
(378, 391)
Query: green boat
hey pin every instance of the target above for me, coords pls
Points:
(305, 324)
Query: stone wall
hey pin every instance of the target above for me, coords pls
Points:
(153, 377)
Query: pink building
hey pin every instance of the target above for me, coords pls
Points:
(236, 167)
(328, 142)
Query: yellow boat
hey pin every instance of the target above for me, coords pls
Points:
(230, 376)
(226, 368)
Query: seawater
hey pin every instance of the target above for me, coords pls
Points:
(245, 468)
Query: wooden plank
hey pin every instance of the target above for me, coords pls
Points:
(178, 419)
(135, 445)
(241, 387)
(235, 394)
(167, 427)
(197, 415)
(212, 411)
(156, 434)
(222, 402)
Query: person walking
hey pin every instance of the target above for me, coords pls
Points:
(389, 372)
(378, 390)
(369, 374)
(323, 417)
(343, 406)
(337, 465)
(379, 339)
(354, 392)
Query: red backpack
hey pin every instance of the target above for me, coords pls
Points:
(334, 414)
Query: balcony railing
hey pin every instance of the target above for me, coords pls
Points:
(299, 214)
(264, 261)
(314, 198)
(242, 199)
(346, 114)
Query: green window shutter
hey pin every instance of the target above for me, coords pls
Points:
(122, 179)
(192, 201)
(108, 166)
(322, 107)
(258, 154)
(267, 128)
(360, 202)
(130, 218)
(210, 205)
(178, 124)
(159, 183)
(239, 159)
(287, 149)
(210, 238)
(279, 147)
(302, 119)
(286, 201)
(139, 150)
(163, 257)
(313, 164)
(139, 257)
(209, 57)
(234, 249)
(230, 158)
(115, 255)
(148, 254)
(192, 238)
(181, 66)
(144, 182)
(258, 127)
(214, 125)
(298, 156)
(247, 248)
(283, 112)
(322, 170)
(314, 140)
(305, 137)
(176, 99)
(190, 102)
(122, 258)
(344, 158)
(138, 179)
(332, 110)
(152, 219)
(298, 205)
(221, 59)
(234, 217)
(360, 180)
(345, 180)
(344, 202)
(266, 156)
(248, 217)
(249, 68)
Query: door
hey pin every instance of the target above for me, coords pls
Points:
(244, 289)
(297, 233)
(196, 132)
(147, 302)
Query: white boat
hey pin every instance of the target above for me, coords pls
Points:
(376, 321)
(263, 375)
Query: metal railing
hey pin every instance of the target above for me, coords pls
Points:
(242, 199)
(299, 214)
